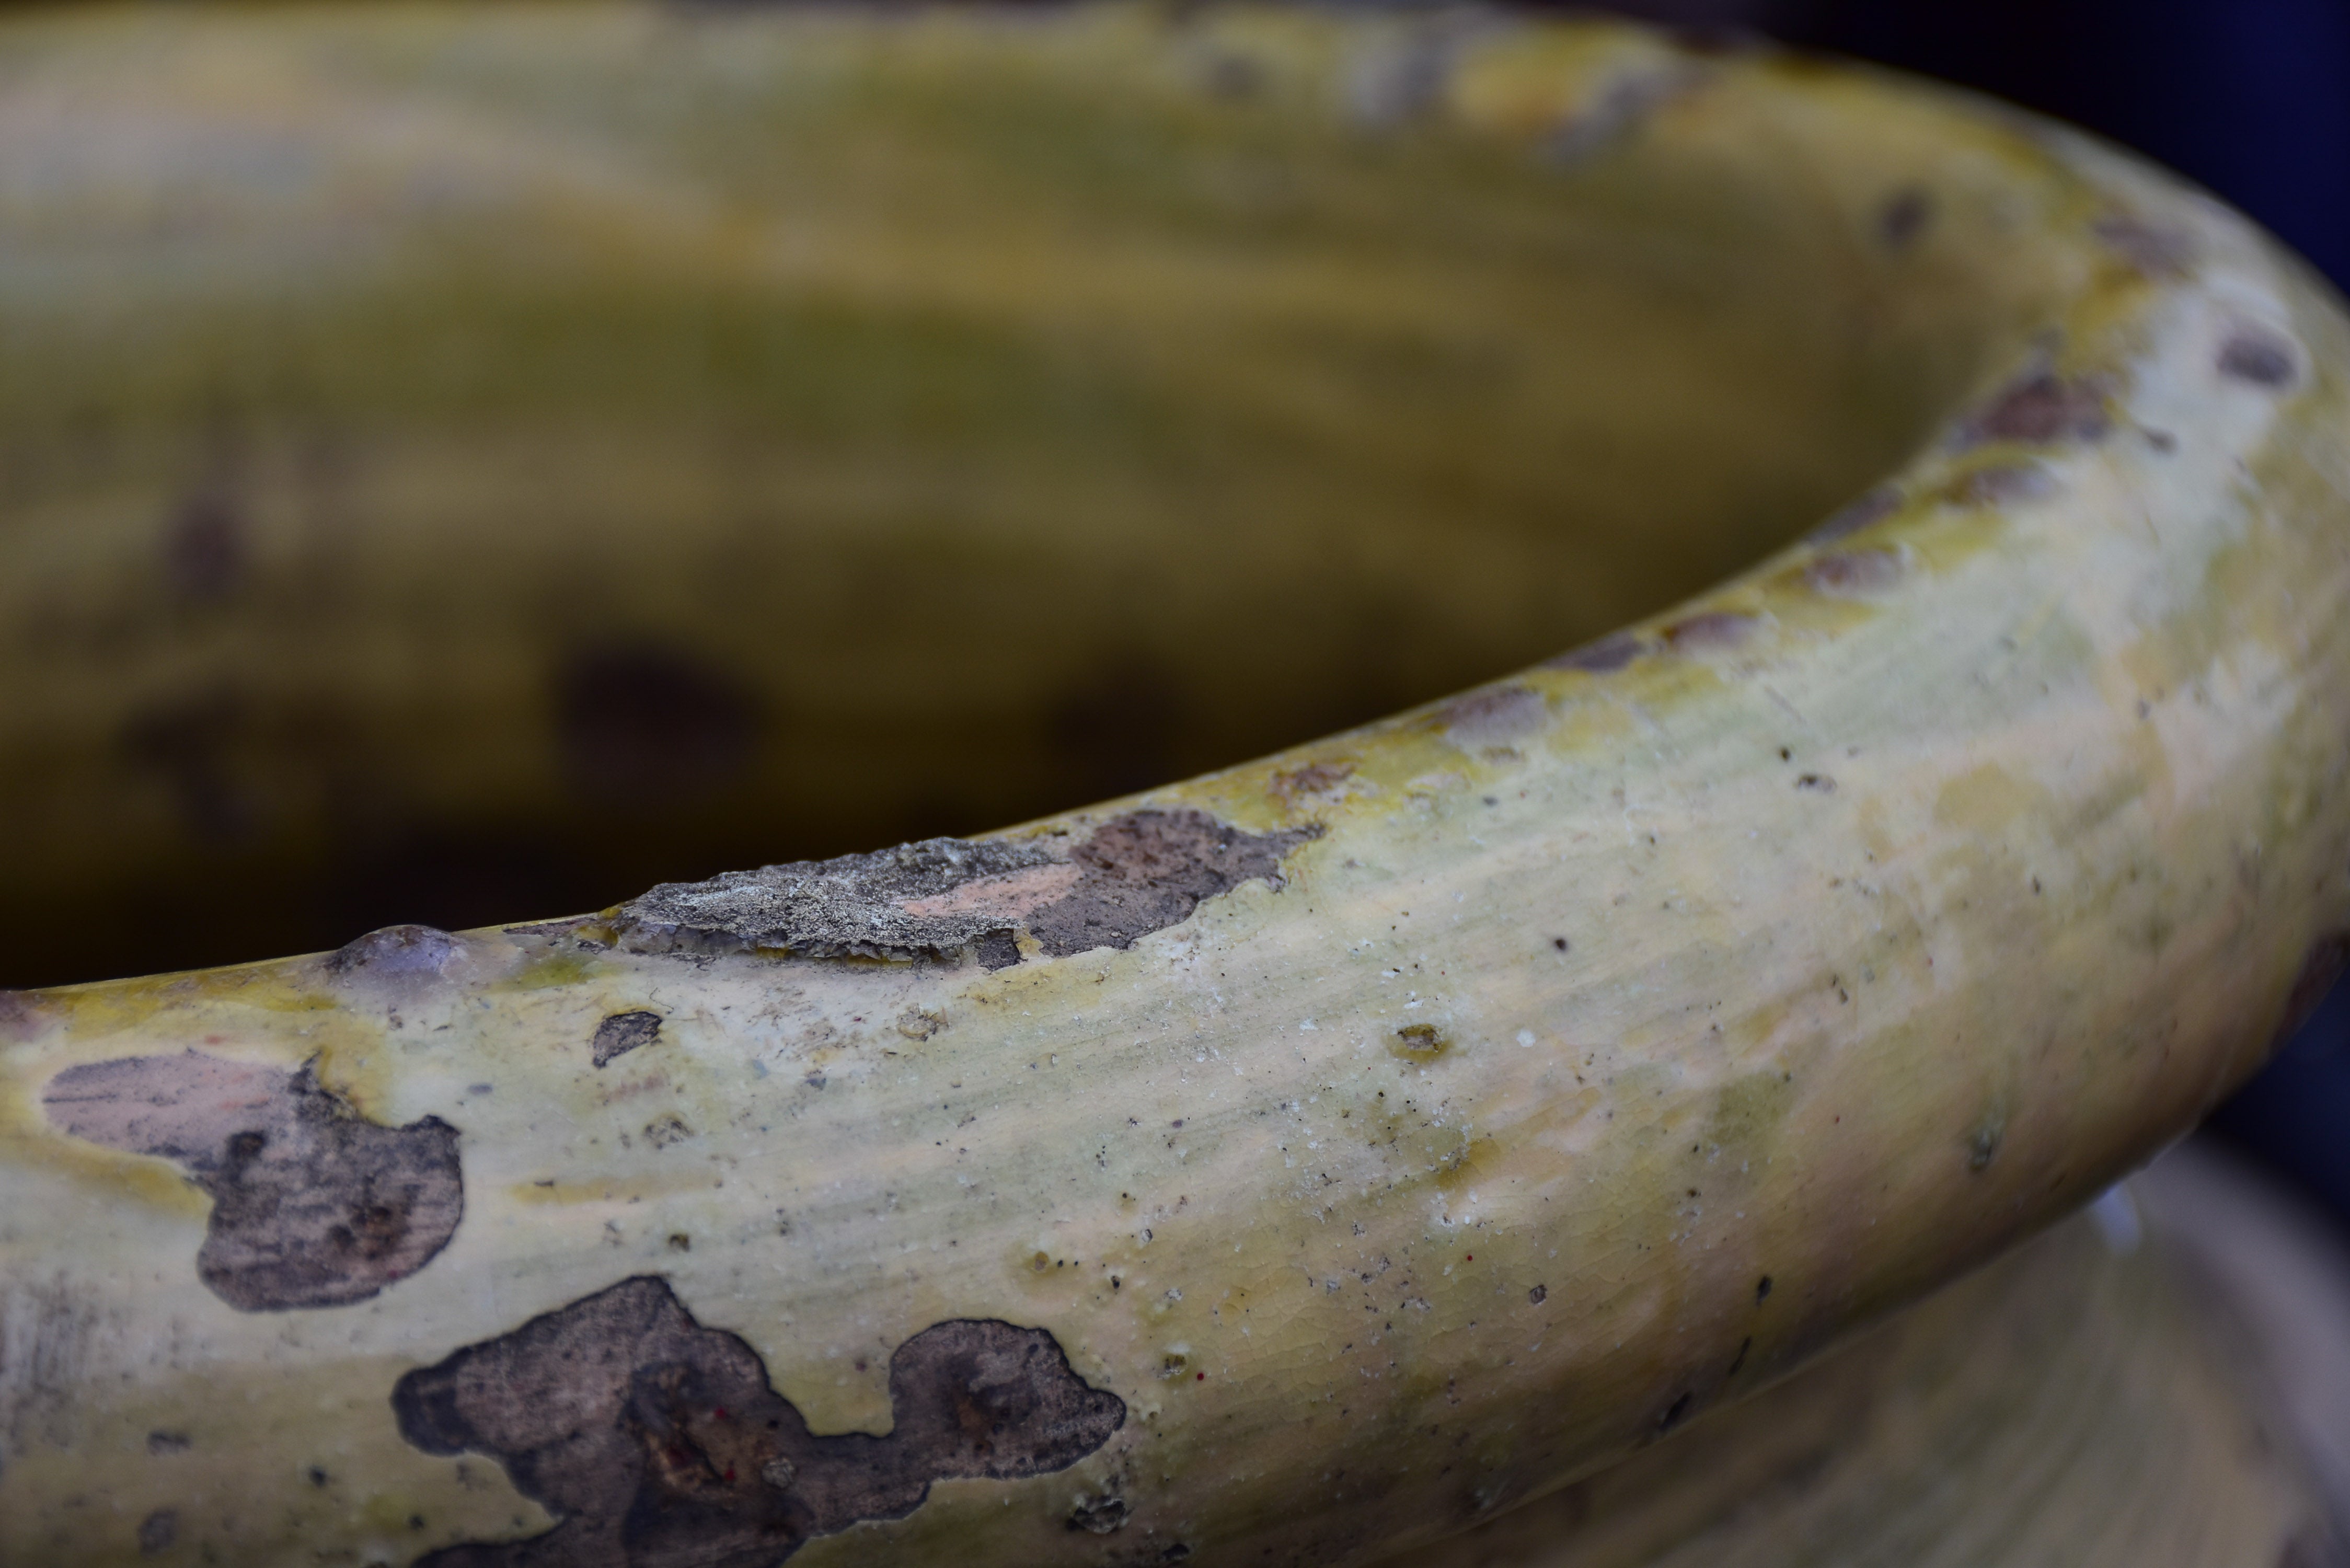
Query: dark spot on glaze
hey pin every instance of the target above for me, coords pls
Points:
(644, 725)
(1853, 572)
(1677, 1413)
(623, 1032)
(2001, 484)
(962, 899)
(190, 744)
(1292, 784)
(2041, 409)
(1864, 512)
(1982, 1147)
(2321, 967)
(655, 1441)
(1492, 716)
(313, 1206)
(2162, 251)
(1539, 1295)
(1616, 113)
(2260, 358)
(160, 1443)
(1418, 1042)
(1560, 943)
(1763, 1290)
(158, 1530)
(1904, 217)
(205, 551)
(1100, 1515)
(1175, 1554)
(1711, 629)
(1819, 782)
(1607, 656)
(398, 953)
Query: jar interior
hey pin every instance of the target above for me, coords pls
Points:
(460, 468)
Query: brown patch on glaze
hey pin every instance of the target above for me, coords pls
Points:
(21, 1017)
(1289, 785)
(965, 900)
(313, 1206)
(2164, 252)
(1851, 574)
(2322, 966)
(2041, 409)
(621, 1034)
(1149, 870)
(1711, 629)
(2255, 355)
(1864, 512)
(1904, 216)
(1492, 716)
(1607, 656)
(189, 743)
(1614, 114)
(2003, 484)
(204, 549)
(655, 1441)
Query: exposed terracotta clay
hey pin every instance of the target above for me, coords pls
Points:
(313, 1206)
(967, 901)
(655, 1441)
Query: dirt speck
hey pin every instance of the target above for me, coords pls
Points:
(1609, 654)
(965, 900)
(656, 1441)
(1419, 1042)
(2041, 409)
(313, 1206)
(2261, 357)
(621, 1034)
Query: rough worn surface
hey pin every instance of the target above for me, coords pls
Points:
(621, 1034)
(312, 1206)
(656, 1441)
(960, 899)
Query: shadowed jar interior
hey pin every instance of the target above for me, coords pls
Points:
(457, 478)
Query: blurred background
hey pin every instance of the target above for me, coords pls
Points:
(2248, 98)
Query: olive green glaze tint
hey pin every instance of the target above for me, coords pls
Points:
(529, 454)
